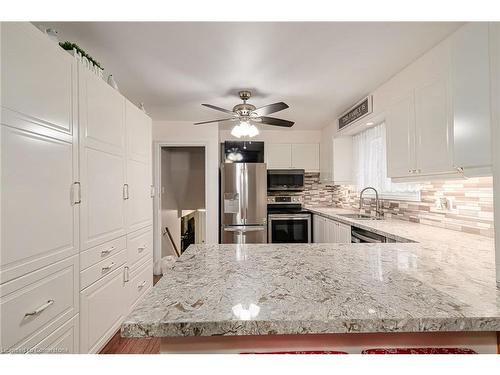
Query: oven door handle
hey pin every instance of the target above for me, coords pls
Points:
(289, 217)
(364, 238)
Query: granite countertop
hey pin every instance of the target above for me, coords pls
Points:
(444, 282)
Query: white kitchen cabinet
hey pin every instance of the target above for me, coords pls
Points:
(292, 156)
(278, 155)
(36, 304)
(330, 231)
(400, 137)
(39, 152)
(434, 127)
(139, 172)
(471, 99)
(138, 129)
(305, 156)
(102, 309)
(102, 159)
(419, 132)
(38, 78)
(335, 158)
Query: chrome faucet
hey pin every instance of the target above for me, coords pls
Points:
(377, 202)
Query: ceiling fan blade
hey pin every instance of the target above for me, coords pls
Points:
(276, 122)
(208, 122)
(219, 109)
(271, 108)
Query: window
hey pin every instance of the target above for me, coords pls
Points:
(370, 166)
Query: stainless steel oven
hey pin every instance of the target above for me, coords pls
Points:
(285, 179)
(287, 221)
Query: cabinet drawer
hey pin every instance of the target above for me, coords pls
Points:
(36, 300)
(96, 254)
(140, 282)
(102, 311)
(139, 246)
(101, 269)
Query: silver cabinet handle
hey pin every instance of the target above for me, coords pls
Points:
(38, 310)
(106, 252)
(125, 274)
(152, 192)
(140, 286)
(125, 192)
(142, 248)
(107, 268)
(76, 196)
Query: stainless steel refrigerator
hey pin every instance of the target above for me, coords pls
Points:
(243, 203)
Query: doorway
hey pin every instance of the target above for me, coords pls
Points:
(181, 198)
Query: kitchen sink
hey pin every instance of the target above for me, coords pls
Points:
(361, 217)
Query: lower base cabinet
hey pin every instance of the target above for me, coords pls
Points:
(330, 231)
(103, 308)
(140, 281)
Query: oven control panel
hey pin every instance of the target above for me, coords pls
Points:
(285, 199)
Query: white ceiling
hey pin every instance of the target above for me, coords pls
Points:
(318, 69)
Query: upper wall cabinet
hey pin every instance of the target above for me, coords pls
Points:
(441, 126)
(400, 125)
(305, 156)
(138, 127)
(278, 155)
(39, 152)
(37, 78)
(335, 158)
(434, 127)
(471, 96)
(102, 114)
(292, 156)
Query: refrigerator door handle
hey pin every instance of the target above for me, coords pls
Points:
(243, 195)
(246, 229)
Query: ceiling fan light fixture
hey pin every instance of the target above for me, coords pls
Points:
(244, 129)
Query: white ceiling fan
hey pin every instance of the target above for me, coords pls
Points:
(246, 114)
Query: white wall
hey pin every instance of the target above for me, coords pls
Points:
(279, 136)
(185, 133)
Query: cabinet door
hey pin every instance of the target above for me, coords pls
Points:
(138, 129)
(102, 158)
(326, 154)
(344, 233)
(103, 307)
(37, 76)
(400, 133)
(471, 96)
(434, 133)
(342, 160)
(102, 114)
(139, 203)
(316, 228)
(305, 156)
(278, 155)
(103, 203)
(38, 151)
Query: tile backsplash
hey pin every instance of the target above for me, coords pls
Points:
(470, 203)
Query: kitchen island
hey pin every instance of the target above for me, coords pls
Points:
(438, 291)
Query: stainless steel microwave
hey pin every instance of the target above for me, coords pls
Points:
(285, 179)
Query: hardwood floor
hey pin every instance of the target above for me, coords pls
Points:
(120, 345)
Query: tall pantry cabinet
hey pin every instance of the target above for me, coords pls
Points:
(76, 207)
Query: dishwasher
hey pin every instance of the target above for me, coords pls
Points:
(359, 235)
